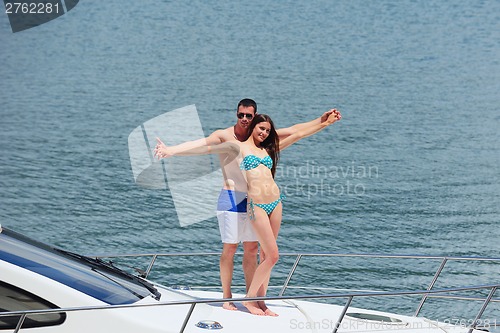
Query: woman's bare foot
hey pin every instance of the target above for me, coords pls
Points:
(229, 306)
(253, 308)
(270, 313)
(266, 310)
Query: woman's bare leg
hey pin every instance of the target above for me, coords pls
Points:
(275, 221)
(262, 227)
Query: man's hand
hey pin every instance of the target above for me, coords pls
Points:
(161, 150)
(325, 115)
(331, 116)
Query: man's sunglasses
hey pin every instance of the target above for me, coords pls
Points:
(249, 116)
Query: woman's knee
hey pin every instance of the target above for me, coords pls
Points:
(272, 257)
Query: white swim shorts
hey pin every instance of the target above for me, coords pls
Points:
(234, 225)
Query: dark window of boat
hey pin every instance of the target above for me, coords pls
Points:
(46, 260)
(16, 299)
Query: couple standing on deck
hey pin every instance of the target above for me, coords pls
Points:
(249, 207)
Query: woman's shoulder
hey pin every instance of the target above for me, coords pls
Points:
(245, 150)
(251, 152)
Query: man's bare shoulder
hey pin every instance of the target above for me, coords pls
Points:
(225, 135)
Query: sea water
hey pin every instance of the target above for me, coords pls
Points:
(412, 167)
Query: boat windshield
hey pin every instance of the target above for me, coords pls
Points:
(93, 277)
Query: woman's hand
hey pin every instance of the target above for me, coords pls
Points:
(161, 150)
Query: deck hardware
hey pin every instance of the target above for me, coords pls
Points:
(209, 325)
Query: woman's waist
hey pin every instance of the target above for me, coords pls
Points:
(264, 193)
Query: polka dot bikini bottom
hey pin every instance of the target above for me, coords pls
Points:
(267, 207)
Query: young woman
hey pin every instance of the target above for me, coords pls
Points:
(260, 153)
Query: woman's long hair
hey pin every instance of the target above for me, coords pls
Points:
(271, 143)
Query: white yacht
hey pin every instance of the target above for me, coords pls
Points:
(47, 289)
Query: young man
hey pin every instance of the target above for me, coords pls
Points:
(232, 203)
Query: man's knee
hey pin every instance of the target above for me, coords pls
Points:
(228, 250)
(250, 249)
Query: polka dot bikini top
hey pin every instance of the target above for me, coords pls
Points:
(251, 162)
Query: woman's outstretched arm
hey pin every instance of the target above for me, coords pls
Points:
(163, 151)
(230, 148)
(333, 116)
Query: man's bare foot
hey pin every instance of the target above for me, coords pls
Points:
(253, 308)
(266, 310)
(229, 306)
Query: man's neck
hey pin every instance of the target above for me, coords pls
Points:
(240, 133)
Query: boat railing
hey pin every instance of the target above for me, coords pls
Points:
(431, 291)
(192, 303)
(298, 256)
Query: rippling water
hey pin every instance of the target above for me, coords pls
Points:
(413, 167)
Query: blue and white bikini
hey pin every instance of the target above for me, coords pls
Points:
(251, 162)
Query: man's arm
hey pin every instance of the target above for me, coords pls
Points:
(286, 132)
(163, 151)
(333, 116)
